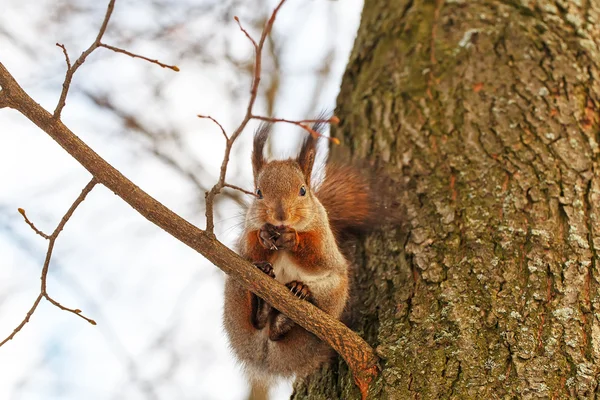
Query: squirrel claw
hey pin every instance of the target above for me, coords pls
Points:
(300, 290)
(267, 236)
(265, 267)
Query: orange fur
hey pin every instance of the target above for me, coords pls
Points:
(306, 253)
(255, 252)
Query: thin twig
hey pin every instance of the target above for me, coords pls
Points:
(240, 189)
(130, 54)
(333, 120)
(44, 276)
(216, 122)
(31, 225)
(246, 32)
(71, 70)
(303, 124)
(25, 320)
(66, 53)
(216, 189)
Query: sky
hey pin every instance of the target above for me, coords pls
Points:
(157, 303)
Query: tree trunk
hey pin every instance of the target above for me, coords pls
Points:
(486, 115)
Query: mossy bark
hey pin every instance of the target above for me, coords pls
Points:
(486, 114)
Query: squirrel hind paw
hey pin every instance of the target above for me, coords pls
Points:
(279, 326)
(260, 313)
(300, 290)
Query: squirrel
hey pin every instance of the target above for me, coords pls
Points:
(293, 232)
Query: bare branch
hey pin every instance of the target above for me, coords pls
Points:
(246, 33)
(240, 189)
(357, 353)
(97, 43)
(44, 277)
(71, 70)
(75, 311)
(130, 54)
(25, 320)
(210, 196)
(302, 124)
(88, 188)
(66, 53)
(216, 122)
(31, 225)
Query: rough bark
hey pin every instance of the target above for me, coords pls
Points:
(486, 115)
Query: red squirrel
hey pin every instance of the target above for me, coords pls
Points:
(292, 232)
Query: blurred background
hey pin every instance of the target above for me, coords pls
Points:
(157, 303)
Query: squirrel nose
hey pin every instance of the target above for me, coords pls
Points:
(280, 213)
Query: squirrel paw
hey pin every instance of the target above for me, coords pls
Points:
(267, 236)
(265, 267)
(279, 326)
(287, 239)
(259, 315)
(300, 290)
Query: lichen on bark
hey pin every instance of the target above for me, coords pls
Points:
(486, 115)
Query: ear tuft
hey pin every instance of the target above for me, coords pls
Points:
(260, 138)
(308, 151)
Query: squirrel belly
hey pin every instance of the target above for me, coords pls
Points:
(297, 354)
(292, 232)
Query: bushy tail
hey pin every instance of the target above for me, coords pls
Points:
(345, 192)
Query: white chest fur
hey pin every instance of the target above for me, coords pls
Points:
(286, 270)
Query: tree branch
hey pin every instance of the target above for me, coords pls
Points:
(130, 54)
(66, 53)
(210, 196)
(218, 124)
(303, 124)
(239, 189)
(44, 277)
(4, 100)
(31, 224)
(71, 70)
(356, 352)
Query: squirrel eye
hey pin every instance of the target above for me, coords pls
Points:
(259, 193)
(302, 191)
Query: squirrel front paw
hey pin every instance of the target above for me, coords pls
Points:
(278, 238)
(287, 239)
(267, 236)
(265, 267)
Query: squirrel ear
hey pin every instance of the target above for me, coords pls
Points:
(260, 138)
(306, 158)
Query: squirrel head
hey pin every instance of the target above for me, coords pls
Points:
(284, 196)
